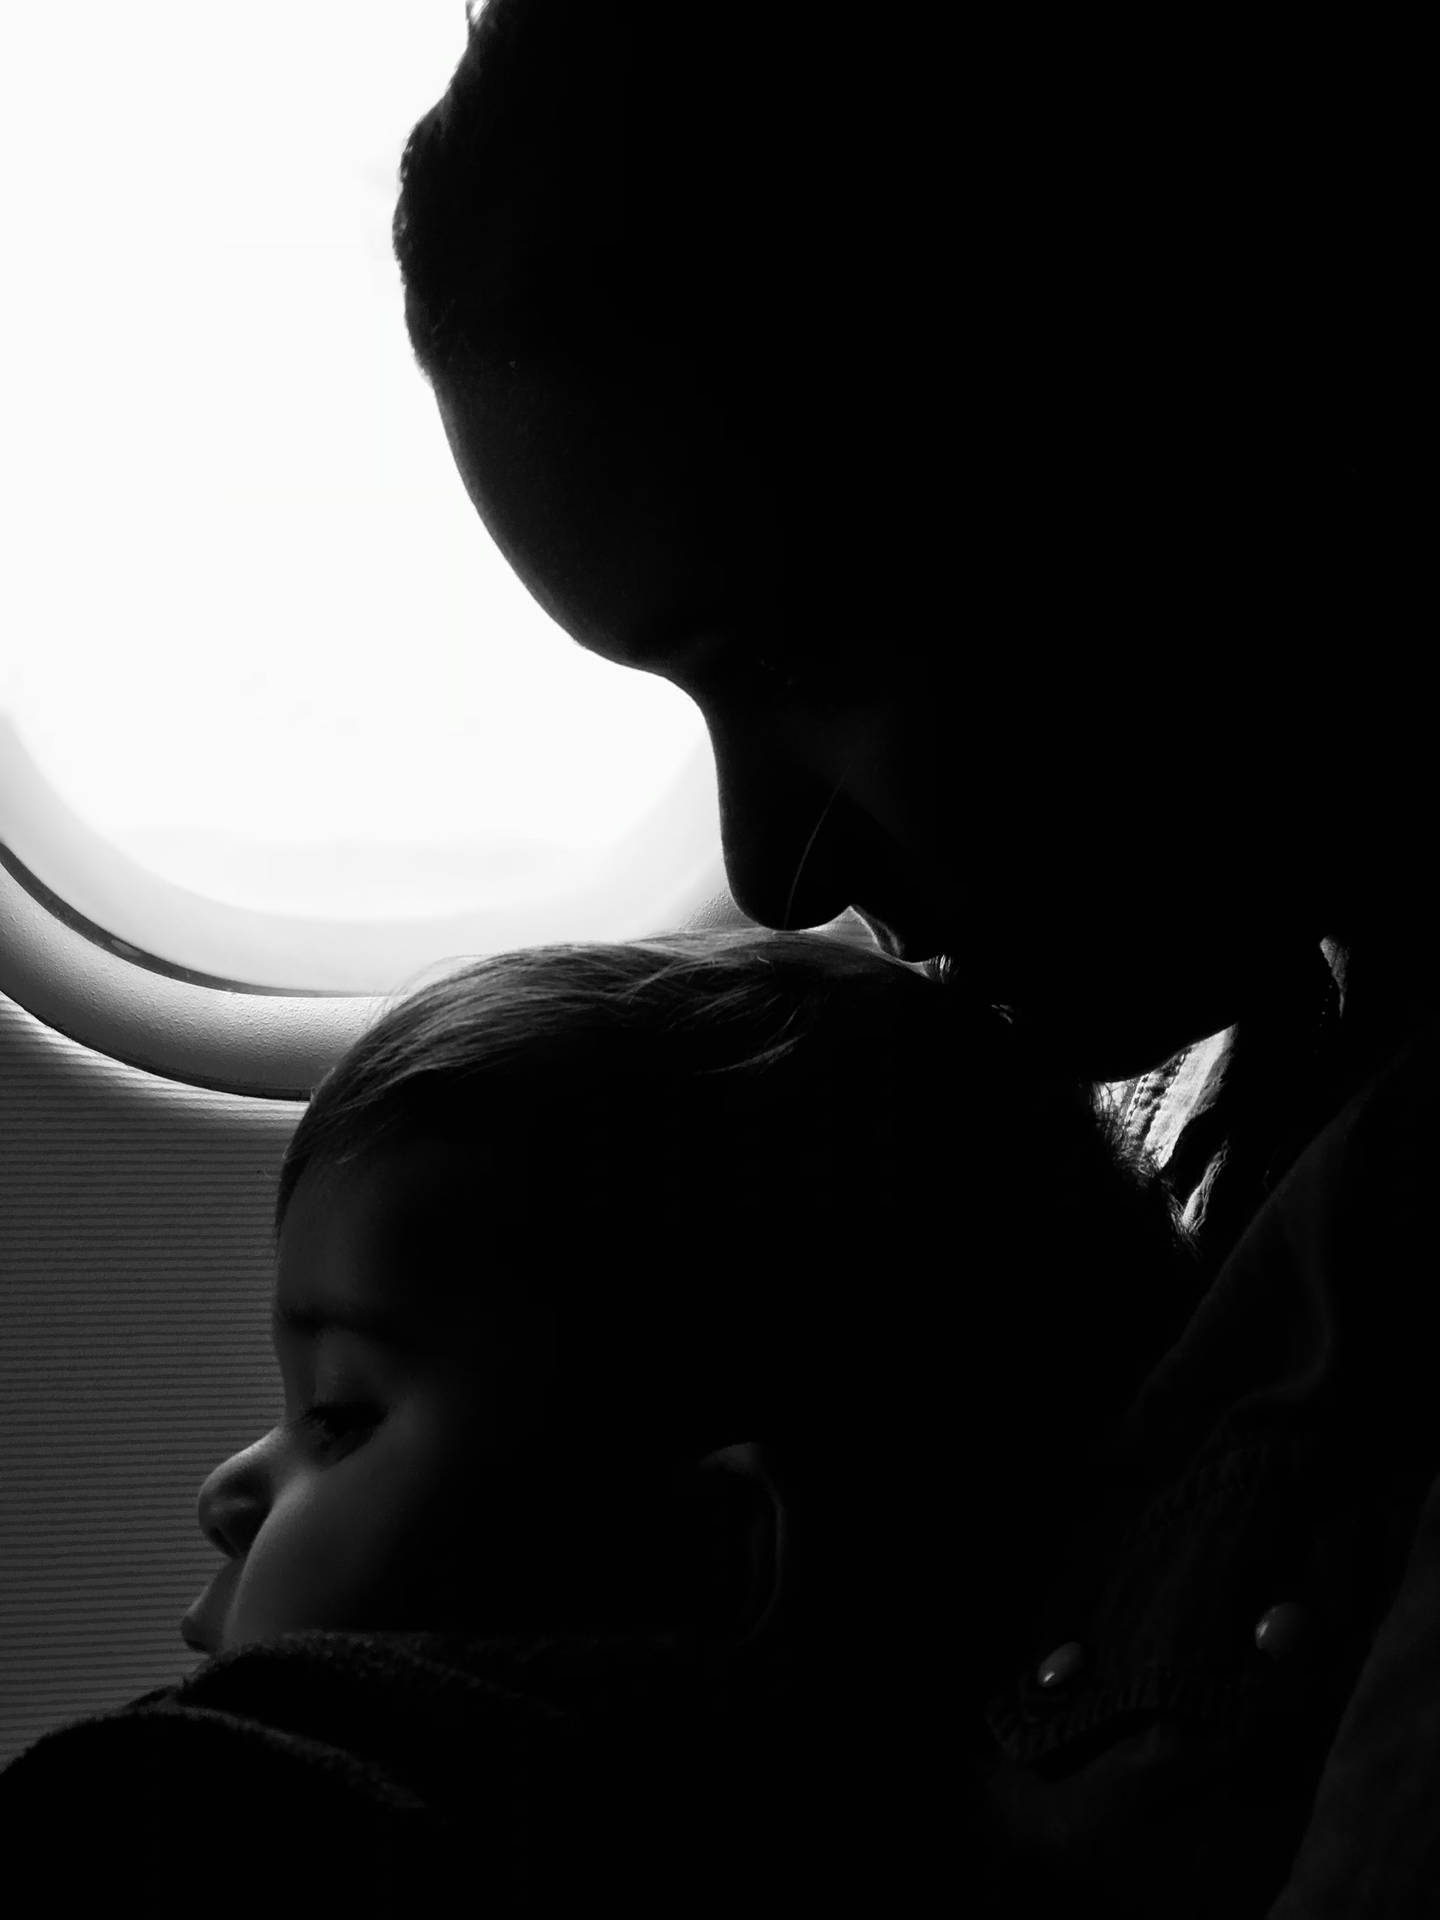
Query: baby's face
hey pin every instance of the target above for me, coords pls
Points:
(440, 1497)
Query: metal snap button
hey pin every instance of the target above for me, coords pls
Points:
(1280, 1629)
(1061, 1665)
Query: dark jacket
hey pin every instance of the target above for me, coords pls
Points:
(1222, 1694)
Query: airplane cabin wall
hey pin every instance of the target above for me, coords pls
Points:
(135, 1279)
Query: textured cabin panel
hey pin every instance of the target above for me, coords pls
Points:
(135, 1279)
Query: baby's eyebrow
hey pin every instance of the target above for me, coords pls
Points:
(388, 1326)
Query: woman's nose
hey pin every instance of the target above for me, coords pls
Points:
(785, 837)
(801, 837)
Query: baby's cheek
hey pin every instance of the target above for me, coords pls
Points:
(305, 1568)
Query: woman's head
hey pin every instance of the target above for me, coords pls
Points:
(1019, 474)
(1009, 281)
(733, 1200)
(623, 178)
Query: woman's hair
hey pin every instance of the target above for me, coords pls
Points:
(759, 1179)
(1138, 308)
(627, 169)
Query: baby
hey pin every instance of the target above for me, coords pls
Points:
(679, 1283)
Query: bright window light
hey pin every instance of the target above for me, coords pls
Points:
(251, 629)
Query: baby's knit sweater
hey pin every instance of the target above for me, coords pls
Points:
(343, 1772)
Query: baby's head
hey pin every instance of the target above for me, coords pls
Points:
(684, 1245)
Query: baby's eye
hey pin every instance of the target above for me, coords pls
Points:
(335, 1421)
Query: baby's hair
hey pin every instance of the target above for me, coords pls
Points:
(754, 1175)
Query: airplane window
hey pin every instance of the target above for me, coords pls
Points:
(262, 659)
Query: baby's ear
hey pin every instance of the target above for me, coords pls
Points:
(738, 1536)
